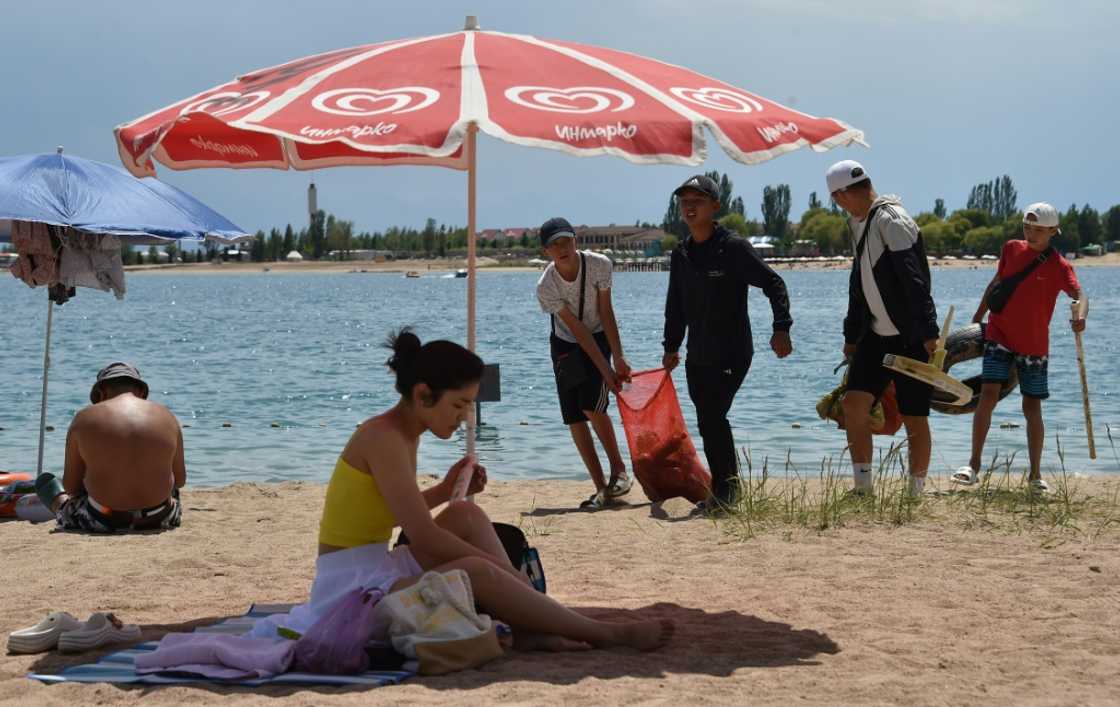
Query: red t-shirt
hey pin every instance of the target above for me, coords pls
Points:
(1024, 324)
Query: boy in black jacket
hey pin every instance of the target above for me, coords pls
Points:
(890, 310)
(708, 279)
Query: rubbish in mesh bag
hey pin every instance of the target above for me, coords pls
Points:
(664, 458)
(885, 416)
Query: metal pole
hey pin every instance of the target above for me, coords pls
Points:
(472, 265)
(46, 372)
(463, 482)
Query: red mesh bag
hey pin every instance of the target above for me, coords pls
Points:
(664, 458)
(892, 418)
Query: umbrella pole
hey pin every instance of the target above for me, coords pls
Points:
(472, 275)
(464, 480)
(46, 371)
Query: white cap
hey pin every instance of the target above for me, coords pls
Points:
(1042, 214)
(844, 174)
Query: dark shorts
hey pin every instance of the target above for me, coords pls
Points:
(79, 514)
(1033, 370)
(585, 393)
(867, 373)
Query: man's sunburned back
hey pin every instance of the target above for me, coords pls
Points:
(129, 447)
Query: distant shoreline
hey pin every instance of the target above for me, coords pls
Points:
(442, 267)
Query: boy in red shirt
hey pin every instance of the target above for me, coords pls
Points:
(1019, 335)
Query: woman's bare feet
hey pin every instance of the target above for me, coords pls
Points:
(550, 643)
(645, 635)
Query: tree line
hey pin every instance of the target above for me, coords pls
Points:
(990, 217)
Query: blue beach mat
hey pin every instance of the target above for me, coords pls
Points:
(120, 667)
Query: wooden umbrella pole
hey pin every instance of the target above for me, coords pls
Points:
(464, 480)
(1076, 314)
(46, 373)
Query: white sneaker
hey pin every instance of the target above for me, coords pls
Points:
(43, 636)
(100, 629)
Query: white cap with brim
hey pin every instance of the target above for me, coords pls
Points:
(844, 174)
(1042, 214)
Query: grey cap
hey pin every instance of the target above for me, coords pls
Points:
(118, 369)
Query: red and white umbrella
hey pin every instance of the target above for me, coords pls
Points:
(421, 101)
(414, 101)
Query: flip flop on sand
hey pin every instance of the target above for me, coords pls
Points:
(100, 629)
(597, 502)
(965, 476)
(43, 636)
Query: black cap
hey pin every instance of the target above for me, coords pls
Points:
(701, 183)
(556, 228)
(118, 370)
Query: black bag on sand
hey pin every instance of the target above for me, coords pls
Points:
(521, 554)
(1001, 292)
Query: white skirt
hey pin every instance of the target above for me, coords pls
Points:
(336, 574)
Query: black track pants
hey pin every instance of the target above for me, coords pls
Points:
(712, 390)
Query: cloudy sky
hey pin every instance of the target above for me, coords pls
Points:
(949, 94)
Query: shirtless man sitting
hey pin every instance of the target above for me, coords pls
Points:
(124, 461)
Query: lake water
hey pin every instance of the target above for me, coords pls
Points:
(303, 352)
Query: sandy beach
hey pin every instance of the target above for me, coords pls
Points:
(935, 612)
(486, 264)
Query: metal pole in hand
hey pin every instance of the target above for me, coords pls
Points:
(1076, 313)
(46, 371)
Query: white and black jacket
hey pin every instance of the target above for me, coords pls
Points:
(896, 300)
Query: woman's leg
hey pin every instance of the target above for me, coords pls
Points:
(526, 609)
(471, 524)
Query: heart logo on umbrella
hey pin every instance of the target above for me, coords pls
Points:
(717, 99)
(225, 103)
(577, 99)
(373, 101)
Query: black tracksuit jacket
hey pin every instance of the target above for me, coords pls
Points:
(904, 284)
(708, 285)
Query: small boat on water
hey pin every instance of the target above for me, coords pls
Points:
(461, 272)
(412, 273)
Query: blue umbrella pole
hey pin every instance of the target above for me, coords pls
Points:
(46, 371)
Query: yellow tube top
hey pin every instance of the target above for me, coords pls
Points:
(355, 512)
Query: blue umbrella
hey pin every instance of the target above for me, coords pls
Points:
(96, 198)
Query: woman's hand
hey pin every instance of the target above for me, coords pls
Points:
(477, 471)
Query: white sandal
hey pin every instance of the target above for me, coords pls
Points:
(965, 476)
(100, 629)
(43, 636)
(619, 485)
(1039, 486)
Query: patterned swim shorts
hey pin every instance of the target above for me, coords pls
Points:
(1033, 376)
(79, 514)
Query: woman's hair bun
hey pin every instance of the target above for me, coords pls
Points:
(404, 345)
(441, 365)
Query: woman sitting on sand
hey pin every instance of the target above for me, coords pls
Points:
(374, 490)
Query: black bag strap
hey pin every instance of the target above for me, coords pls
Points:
(582, 289)
(1014, 280)
(866, 230)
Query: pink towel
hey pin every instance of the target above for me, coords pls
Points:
(218, 656)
